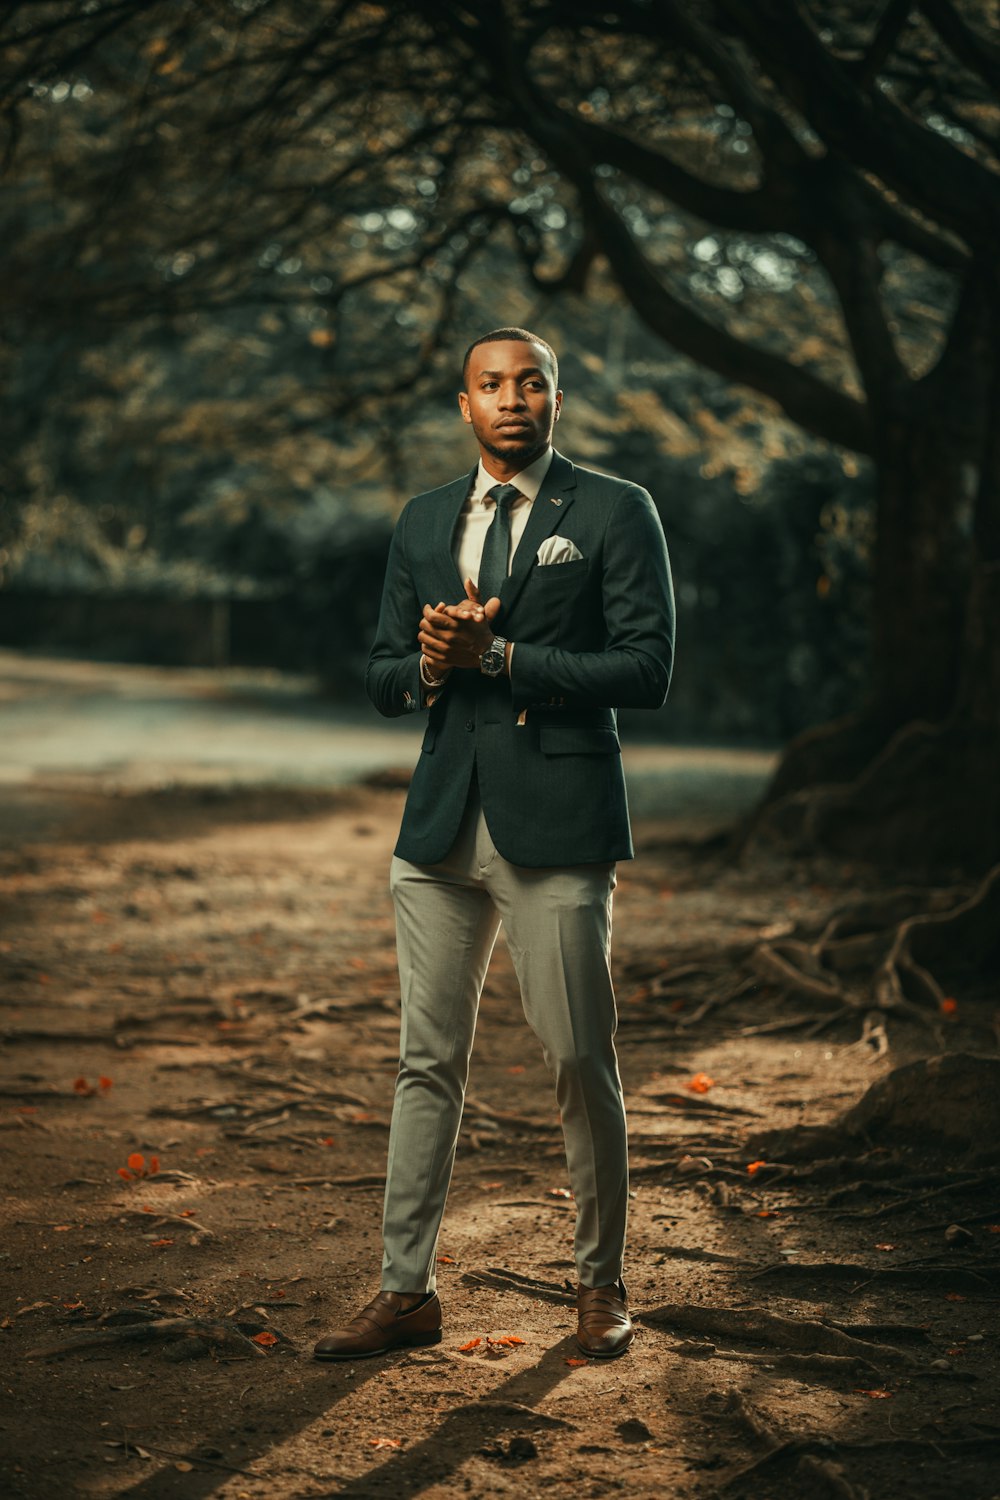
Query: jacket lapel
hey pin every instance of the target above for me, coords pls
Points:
(450, 587)
(551, 504)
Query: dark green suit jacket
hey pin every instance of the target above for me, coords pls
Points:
(590, 636)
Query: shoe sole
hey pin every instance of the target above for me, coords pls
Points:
(608, 1354)
(417, 1341)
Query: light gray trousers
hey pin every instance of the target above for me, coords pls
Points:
(557, 923)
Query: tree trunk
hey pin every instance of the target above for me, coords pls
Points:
(919, 571)
(913, 779)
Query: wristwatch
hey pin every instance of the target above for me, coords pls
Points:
(492, 661)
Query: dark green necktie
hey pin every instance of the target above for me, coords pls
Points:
(496, 548)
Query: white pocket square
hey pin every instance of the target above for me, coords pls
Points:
(557, 549)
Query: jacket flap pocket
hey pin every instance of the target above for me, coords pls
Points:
(578, 739)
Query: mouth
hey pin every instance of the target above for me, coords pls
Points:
(514, 426)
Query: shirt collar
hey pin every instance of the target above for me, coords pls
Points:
(529, 481)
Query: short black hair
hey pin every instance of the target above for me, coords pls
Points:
(511, 335)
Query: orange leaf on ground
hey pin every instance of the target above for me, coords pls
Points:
(560, 1193)
(136, 1161)
(700, 1083)
(82, 1086)
(575, 1364)
(959, 1350)
(467, 1348)
(154, 1164)
(875, 1395)
(676, 1005)
(161, 1242)
(446, 1260)
(487, 1185)
(265, 1338)
(886, 1246)
(124, 1172)
(384, 1442)
(755, 1167)
(992, 1228)
(517, 1068)
(767, 1213)
(949, 1007)
(953, 1297)
(61, 1228)
(104, 1083)
(187, 1213)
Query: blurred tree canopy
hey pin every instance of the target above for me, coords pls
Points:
(800, 198)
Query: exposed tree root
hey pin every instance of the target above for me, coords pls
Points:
(952, 1099)
(148, 1328)
(503, 1280)
(833, 1366)
(979, 1281)
(758, 1326)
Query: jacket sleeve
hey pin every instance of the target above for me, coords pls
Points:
(633, 670)
(392, 678)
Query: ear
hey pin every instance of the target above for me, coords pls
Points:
(559, 395)
(463, 404)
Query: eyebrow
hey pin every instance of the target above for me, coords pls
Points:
(496, 374)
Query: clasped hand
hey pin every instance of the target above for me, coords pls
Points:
(456, 635)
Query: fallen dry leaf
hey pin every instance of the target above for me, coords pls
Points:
(700, 1083)
(385, 1442)
(953, 1297)
(265, 1339)
(467, 1348)
(886, 1246)
(949, 1007)
(560, 1193)
(755, 1166)
(575, 1364)
(875, 1395)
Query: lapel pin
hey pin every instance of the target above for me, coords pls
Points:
(555, 500)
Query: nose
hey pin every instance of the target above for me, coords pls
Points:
(511, 397)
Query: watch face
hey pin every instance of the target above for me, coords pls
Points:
(492, 660)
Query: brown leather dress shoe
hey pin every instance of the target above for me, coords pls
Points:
(604, 1328)
(383, 1325)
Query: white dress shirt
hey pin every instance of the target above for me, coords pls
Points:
(476, 518)
(479, 509)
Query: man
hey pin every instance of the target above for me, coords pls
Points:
(562, 612)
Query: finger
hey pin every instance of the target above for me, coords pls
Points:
(472, 591)
(491, 608)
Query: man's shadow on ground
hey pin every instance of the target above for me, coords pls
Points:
(466, 1430)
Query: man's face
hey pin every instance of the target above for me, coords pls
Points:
(510, 400)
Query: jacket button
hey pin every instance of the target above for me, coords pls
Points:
(470, 724)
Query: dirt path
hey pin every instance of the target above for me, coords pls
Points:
(226, 961)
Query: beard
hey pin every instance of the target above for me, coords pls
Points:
(529, 447)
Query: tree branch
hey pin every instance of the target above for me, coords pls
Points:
(803, 396)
